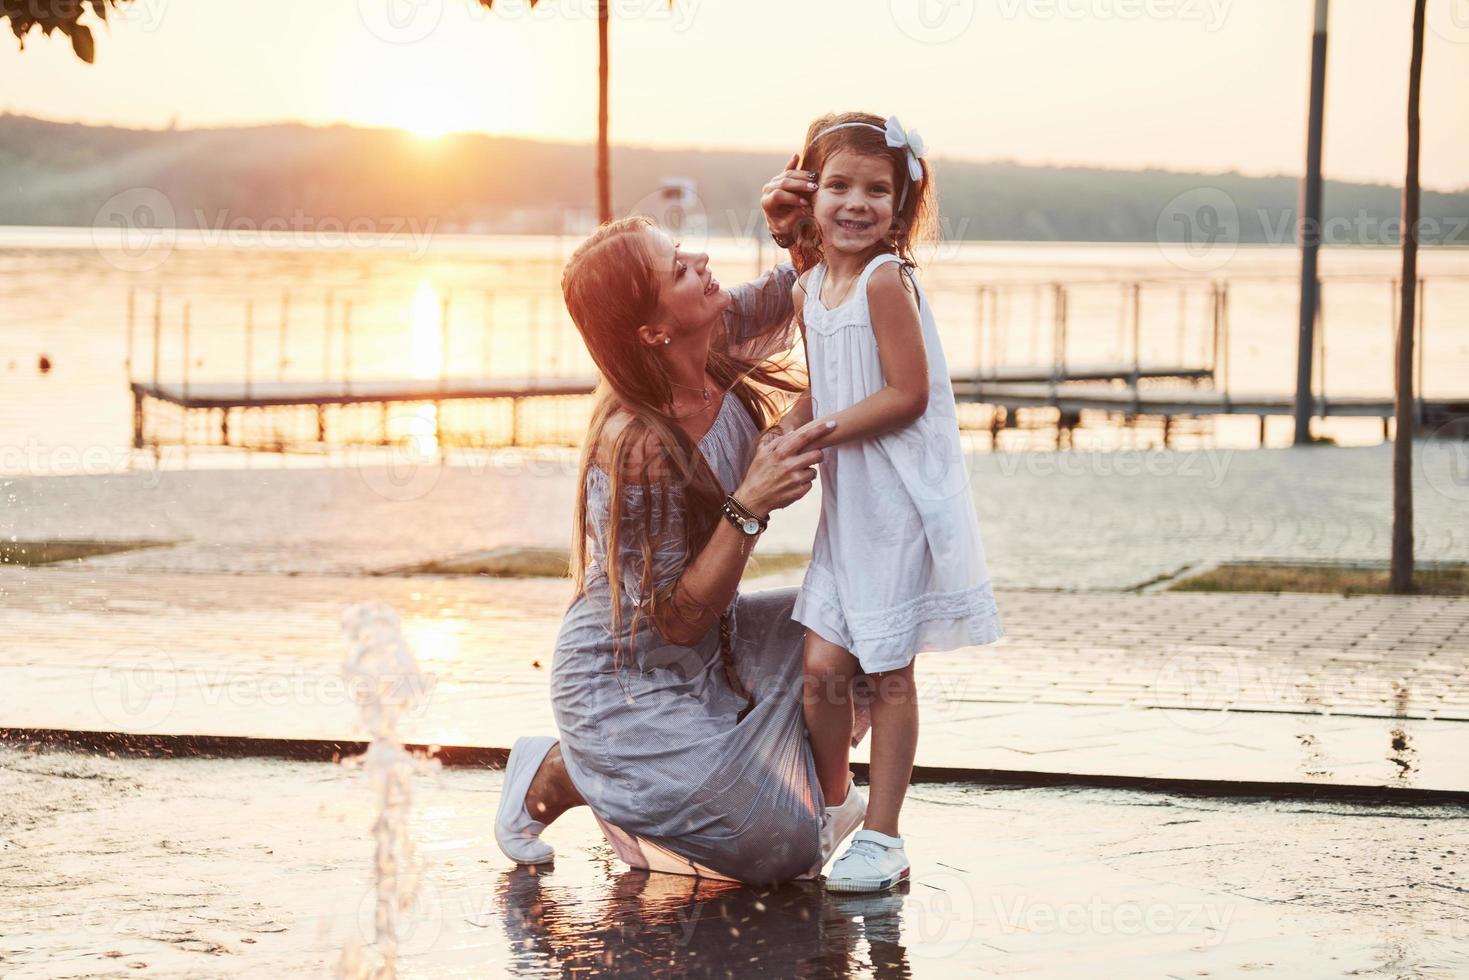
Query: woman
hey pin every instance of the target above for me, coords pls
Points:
(679, 703)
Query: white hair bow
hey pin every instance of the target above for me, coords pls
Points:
(910, 140)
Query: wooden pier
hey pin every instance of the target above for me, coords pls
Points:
(1125, 391)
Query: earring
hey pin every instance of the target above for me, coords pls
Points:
(668, 340)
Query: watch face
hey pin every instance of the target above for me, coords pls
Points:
(752, 527)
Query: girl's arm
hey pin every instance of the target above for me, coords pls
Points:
(899, 331)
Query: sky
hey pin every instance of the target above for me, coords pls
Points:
(1197, 85)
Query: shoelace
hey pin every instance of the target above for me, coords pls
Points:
(869, 848)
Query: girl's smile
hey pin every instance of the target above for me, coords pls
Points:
(854, 202)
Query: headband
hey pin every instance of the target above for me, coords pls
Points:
(896, 137)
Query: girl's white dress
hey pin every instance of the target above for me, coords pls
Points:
(897, 566)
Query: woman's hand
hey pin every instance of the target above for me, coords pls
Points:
(786, 198)
(783, 469)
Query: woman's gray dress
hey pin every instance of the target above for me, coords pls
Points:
(654, 747)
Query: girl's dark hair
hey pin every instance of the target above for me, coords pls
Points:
(913, 223)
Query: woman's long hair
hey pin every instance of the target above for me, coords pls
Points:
(611, 290)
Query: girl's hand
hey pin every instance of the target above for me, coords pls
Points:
(783, 469)
(786, 198)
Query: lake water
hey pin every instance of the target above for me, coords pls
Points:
(329, 308)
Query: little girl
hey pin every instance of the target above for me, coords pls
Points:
(897, 565)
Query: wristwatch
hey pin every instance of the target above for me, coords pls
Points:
(742, 517)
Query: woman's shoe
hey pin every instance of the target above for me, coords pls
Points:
(517, 833)
(842, 819)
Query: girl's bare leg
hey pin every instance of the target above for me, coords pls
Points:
(551, 792)
(827, 704)
(894, 742)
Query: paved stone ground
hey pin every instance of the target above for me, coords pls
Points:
(1071, 520)
(1362, 691)
(189, 867)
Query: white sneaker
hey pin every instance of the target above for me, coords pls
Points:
(840, 820)
(874, 862)
(517, 833)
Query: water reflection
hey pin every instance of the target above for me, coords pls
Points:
(661, 925)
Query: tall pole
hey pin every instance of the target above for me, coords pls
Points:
(1402, 445)
(604, 166)
(1309, 226)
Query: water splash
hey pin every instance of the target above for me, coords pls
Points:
(384, 680)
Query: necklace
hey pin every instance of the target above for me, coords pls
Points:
(704, 389)
(698, 411)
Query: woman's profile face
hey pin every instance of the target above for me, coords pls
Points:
(690, 299)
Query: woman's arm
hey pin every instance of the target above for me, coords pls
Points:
(780, 474)
(899, 331)
(758, 322)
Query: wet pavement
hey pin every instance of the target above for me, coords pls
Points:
(1260, 703)
(1368, 691)
(260, 868)
(1051, 520)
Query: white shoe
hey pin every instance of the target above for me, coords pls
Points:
(874, 862)
(517, 833)
(841, 820)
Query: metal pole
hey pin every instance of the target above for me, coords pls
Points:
(132, 303)
(157, 331)
(326, 340)
(1137, 333)
(489, 330)
(285, 316)
(249, 346)
(444, 340)
(186, 353)
(1214, 332)
(1309, 226)
(347, 345)
(1422, 316)
(534, 346)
